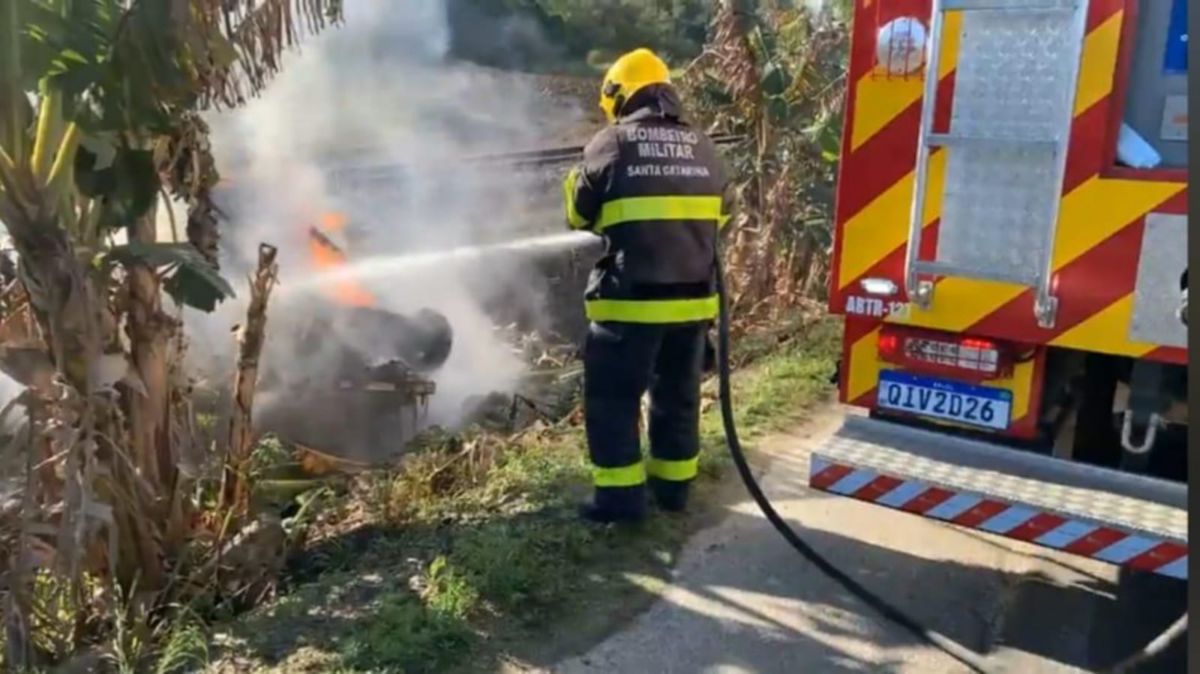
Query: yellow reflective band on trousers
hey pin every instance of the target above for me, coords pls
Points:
(652, 311)
(674, 471)
(574, 219)
(635, 209)
(626, 476)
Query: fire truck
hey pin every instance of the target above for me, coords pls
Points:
(1010, 262)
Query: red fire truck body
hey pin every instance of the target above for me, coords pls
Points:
(1010, 259)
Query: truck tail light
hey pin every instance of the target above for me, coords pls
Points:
(948, 353)
(889, 346)
(978, 354)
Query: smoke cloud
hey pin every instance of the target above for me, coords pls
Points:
(381, 91)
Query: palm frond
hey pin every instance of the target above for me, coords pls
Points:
(246, 40)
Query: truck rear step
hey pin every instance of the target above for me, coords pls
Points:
(1121, 518)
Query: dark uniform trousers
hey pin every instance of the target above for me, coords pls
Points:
(622, 361)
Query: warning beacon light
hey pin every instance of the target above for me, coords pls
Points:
(900, 46)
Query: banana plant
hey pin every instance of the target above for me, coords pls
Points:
(773, 71)
(100, 125)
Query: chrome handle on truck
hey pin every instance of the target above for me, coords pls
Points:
(921, 292)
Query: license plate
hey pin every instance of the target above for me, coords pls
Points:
(962, 403)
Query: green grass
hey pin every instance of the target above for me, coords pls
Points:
(450, 578)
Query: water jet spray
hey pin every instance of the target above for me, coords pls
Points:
(392, 267)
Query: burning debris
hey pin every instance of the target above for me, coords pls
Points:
(547, 393)
(357, 401)
(356, 384)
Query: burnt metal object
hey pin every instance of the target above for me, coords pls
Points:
(358, 385)
(359, 337)
(367, 416)
(422, 341)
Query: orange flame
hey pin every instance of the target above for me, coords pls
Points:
(333, 221)
(327, 256)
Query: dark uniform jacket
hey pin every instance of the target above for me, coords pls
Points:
(655, 189)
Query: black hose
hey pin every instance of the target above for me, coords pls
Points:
(949, 647)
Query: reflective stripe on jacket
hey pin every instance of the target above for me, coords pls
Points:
(655, 189)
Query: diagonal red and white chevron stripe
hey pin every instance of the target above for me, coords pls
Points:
(1102, 542)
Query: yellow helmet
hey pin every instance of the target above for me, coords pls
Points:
(634, 70)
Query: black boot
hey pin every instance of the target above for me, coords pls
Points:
(616, 504)
(669, 495)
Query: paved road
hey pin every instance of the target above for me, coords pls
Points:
(743, 602)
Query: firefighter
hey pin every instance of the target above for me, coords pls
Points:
(654, 188)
